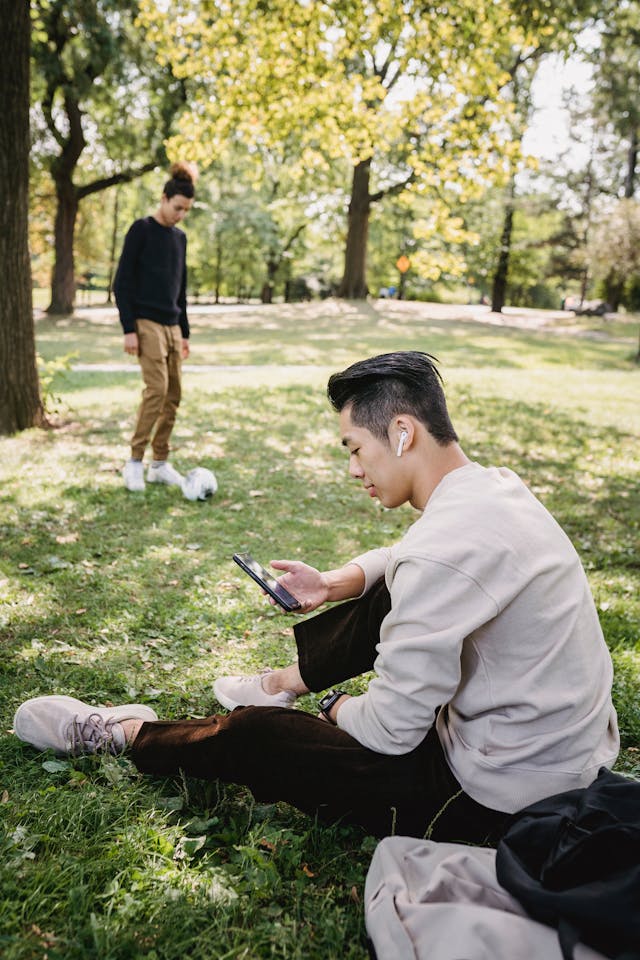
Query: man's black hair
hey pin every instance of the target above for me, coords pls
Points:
(182, 181)
(382, 387)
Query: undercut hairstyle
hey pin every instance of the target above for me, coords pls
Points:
(182, 180)
(383, 387)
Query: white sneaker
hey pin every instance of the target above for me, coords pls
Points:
(234, 692)
(133, 473)
(164, 473)
(71, 727)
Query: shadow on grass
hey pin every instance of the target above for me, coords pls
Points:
(111, 597)
(139, 594)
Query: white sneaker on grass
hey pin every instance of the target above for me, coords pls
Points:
(234, 692)
(133, 473)
(71, 727)
(161, 471)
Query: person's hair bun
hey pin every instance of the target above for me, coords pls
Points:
(184, 170)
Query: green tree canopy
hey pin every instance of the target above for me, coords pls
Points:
(101, 97)
(406, 96)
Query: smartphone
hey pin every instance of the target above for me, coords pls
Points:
(268, 582)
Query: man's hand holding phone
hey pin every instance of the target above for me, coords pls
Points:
(276, 592)
(304, 582)
(305, 588)
(314, 587)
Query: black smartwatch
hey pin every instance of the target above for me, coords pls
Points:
(328, 701)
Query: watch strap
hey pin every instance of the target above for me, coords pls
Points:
(329, 700)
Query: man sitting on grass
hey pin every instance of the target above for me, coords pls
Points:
(492, 684)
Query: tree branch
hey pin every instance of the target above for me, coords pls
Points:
(393, 190)
(125, 176)
(294, 236)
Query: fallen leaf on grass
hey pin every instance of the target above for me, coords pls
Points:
(46, 939)
(56, 563)
(55, 766)
(307, 872)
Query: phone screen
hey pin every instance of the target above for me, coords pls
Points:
(268, 582)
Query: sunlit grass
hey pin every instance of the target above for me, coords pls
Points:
(308, 334)
(114, 597)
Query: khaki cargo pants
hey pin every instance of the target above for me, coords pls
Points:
(160, 356)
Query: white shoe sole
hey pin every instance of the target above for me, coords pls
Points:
(230, 704)
(226, 702)
(167, 483)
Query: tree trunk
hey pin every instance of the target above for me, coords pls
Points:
(113, 249)
(499, 291)
(266, 294)
(584, 285)
(614, 289)
(353, 285)
(63, 280)
(20, 403)
(218, 267)
(632, 162)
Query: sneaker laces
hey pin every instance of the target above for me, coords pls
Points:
(91, 735)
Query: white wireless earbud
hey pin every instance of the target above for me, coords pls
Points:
(401, 443)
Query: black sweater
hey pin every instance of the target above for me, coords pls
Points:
(151, 280)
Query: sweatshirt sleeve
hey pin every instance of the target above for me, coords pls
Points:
(124, 285)
(182, 298)
(374, 565)
(433, 608)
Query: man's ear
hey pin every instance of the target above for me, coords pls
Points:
(401, 433)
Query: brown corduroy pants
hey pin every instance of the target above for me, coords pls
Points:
(282, 754)
(160, 357)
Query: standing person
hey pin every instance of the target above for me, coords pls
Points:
(151, 293)
(492, 684)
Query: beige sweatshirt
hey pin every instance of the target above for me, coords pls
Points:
(492, 618)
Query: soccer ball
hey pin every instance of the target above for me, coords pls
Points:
(199, 484)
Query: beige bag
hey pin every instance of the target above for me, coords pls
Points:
(442, 901)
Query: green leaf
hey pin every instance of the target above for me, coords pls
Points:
(55, 766)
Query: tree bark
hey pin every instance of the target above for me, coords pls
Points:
(614, 289)
(63, 280)
(499, 290)
(113, 248)
(632, 162)
(266, 294)
(63, 277)
(218, 263)
(353, 285)
(20, 403)
(274, 261)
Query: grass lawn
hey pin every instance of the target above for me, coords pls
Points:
(114, 597)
